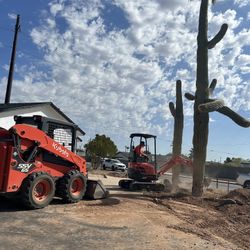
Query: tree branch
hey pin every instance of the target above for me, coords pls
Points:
(218, 36)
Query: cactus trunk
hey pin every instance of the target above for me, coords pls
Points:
(178, 131)
(201, 120)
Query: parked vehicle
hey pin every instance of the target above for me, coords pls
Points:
(113, 164)
(244, 180)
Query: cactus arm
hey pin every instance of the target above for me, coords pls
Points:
(211, 105)
(211, 44)
(172, 108)
(241, 121)
(190, 96)
(218, 105)
(212, 86)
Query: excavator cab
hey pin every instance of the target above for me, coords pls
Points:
(149, 142)
(142, 171)
(142, 167)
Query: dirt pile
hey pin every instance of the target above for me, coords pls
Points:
(105, 174)
(214, 215)
(241, 196)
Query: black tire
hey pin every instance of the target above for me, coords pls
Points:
(104, 168)
(124, 183)
(72, 186)
(113, 168)
(246, 184)
(37, 190)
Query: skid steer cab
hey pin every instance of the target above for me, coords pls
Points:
(38, 161)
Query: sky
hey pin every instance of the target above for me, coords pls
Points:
(111, 65)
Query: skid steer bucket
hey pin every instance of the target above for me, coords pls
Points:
(95, 190)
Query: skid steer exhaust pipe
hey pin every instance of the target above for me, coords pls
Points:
(95, 190)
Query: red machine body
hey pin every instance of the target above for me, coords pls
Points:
(175, 160)
(14, 168)
(35, 162)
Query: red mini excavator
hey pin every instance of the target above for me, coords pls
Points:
(37, 162)
(142, 171)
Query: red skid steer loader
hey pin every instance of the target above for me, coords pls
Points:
(37, 162)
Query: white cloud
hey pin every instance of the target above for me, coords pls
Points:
(244, 60)
(56, 7)
(12, 15)
(242, 3)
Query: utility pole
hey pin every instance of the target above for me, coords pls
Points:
(12, 62)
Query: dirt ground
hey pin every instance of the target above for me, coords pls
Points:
(131, 220)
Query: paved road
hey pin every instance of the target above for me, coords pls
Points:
(125, 220)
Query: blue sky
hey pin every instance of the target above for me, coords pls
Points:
(112, 65)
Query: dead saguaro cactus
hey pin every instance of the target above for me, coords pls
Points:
(203, 104)
(177, 112)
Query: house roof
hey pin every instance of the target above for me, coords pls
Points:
(122, 154)
(14, 106)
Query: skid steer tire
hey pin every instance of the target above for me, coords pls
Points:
(72, 186)
(37, 190)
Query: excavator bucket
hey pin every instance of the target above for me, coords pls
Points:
(95, 190)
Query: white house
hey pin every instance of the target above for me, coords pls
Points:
(46, 109)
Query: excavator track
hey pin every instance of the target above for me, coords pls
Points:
(138, 186)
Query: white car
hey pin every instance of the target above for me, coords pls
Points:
(244, 180)
(113, 164)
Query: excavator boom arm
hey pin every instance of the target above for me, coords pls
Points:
(175, 160)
